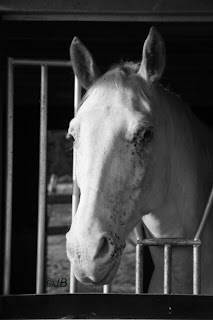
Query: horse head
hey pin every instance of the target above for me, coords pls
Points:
(121, 163)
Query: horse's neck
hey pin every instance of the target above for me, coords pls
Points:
(180, 215)
(191, 181)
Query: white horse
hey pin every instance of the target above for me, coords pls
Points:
(141, 154)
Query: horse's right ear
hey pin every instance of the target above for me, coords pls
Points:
(154, 57)
(83, 64)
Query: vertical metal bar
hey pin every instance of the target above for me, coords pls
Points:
(139, 232)
(196, 269)
(167, 268)
(139, 268)
(42, 181)
(9, 180)
(76, 191)
(107, 288)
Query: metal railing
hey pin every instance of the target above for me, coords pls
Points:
(42, 167)
(168, 244)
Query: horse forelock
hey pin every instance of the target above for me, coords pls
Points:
(119, 77)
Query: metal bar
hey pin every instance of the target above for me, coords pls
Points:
(139, 269)
(73, 281)
(49, 63)
(42, 181)
(167, 268)
(173, 242)
(139, 233)
(204, 217)
(76, 191)
(134, 16)
(107, 288)
(9, 180)
(196, 269)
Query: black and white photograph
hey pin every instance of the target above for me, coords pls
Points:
(106, 159)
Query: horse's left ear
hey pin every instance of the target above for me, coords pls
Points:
(154, 57)
(83, 64)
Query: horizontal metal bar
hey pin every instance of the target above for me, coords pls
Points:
(111, 16)
(49, 63)
(110, 306)
(173, 242)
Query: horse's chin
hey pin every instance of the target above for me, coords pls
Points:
(108, 277)
(99, 279)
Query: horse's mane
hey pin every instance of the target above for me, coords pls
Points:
(118, 74)
(126, 68)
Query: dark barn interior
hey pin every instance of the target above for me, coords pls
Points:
(188, 72)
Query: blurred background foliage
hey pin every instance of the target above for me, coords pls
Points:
(59, 154)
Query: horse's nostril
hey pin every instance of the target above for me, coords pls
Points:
(103, 248)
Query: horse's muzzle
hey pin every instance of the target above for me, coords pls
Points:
(95, 261)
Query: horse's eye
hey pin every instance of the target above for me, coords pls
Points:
(71, 138)
(148, 134)
(143, 136)
(73, 131)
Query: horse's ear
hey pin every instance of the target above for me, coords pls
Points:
(154, 57)
(83, 64)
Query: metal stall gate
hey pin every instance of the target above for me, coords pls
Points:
(44, 65)
(70, 301)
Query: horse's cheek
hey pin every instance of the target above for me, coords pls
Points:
(78, 170)
(140, 176)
